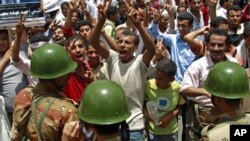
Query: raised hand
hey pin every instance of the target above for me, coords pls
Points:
(156, 14)
(53, 25)
(204, 30)
(20, 24)
(72, 131)
(102, 10)
(74, 4)
(213, 3)
(134, 17)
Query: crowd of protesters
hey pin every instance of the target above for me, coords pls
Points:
(160, 52)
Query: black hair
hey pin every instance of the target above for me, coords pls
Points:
(38, 37)
(112, 10)
(65, 3)
(131, 33)
(84, 23)
(76, 37)
(168, 66)
(222, 2)
(220, 32)
(182, 6)
(234, 8)
(215, 22)
(186, 16)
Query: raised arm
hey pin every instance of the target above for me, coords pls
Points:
(96, 33)
(170, 8)
(110, 41)
(16, 46)
(73, 6)
(196, 46)
(148, 42)
(212, 8)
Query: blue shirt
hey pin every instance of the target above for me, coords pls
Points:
(180, 51)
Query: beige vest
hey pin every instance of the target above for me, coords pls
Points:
(245, 106)
(221, 132)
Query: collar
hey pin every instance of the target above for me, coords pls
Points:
(189, 10)
(46, 89)
(237, 114)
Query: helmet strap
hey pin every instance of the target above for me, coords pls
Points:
(124, 131)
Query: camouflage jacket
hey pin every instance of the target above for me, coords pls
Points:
(44, 96)
(221, 130)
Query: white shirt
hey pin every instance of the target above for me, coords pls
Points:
(221, 12)
(132, 78)
(24, 66)
(242, 51)
(196, 76)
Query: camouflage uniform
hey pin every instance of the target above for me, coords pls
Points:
(246, 101)
(221, 131)
(60, 111)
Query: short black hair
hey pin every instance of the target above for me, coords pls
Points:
(84, 23)
(131, 33)
(38, 37)
(221, 2)
(76, 37)
(168, 66)
(65, 3)
(215, 22)
(182, 6)
(186, 16)
(112, 10)
(234, 8)
(220, 32)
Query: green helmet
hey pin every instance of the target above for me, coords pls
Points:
(227, 80)
(103, 103)
(51, 61)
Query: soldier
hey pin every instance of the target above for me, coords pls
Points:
(41, 112)
(104, 109)
(228, 84)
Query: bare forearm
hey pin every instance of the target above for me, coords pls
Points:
(68, 22)
(148, 42)
(110, 41)
(16, 49)
(95, 35)
(193, 92)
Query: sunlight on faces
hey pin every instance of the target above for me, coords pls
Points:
(162, 80)
(77, 51)
(183, 27)
(217, 47)
(164, 20)
(85, 31)
(58, 34)
(234, 18)
(126, 47)
(93, 56)
(75, 17)
(195, 5)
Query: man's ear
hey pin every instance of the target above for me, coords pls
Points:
(136, 48)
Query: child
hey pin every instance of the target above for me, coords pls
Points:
(164, 92)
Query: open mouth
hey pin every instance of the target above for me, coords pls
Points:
(79, 57)
(122, 53)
